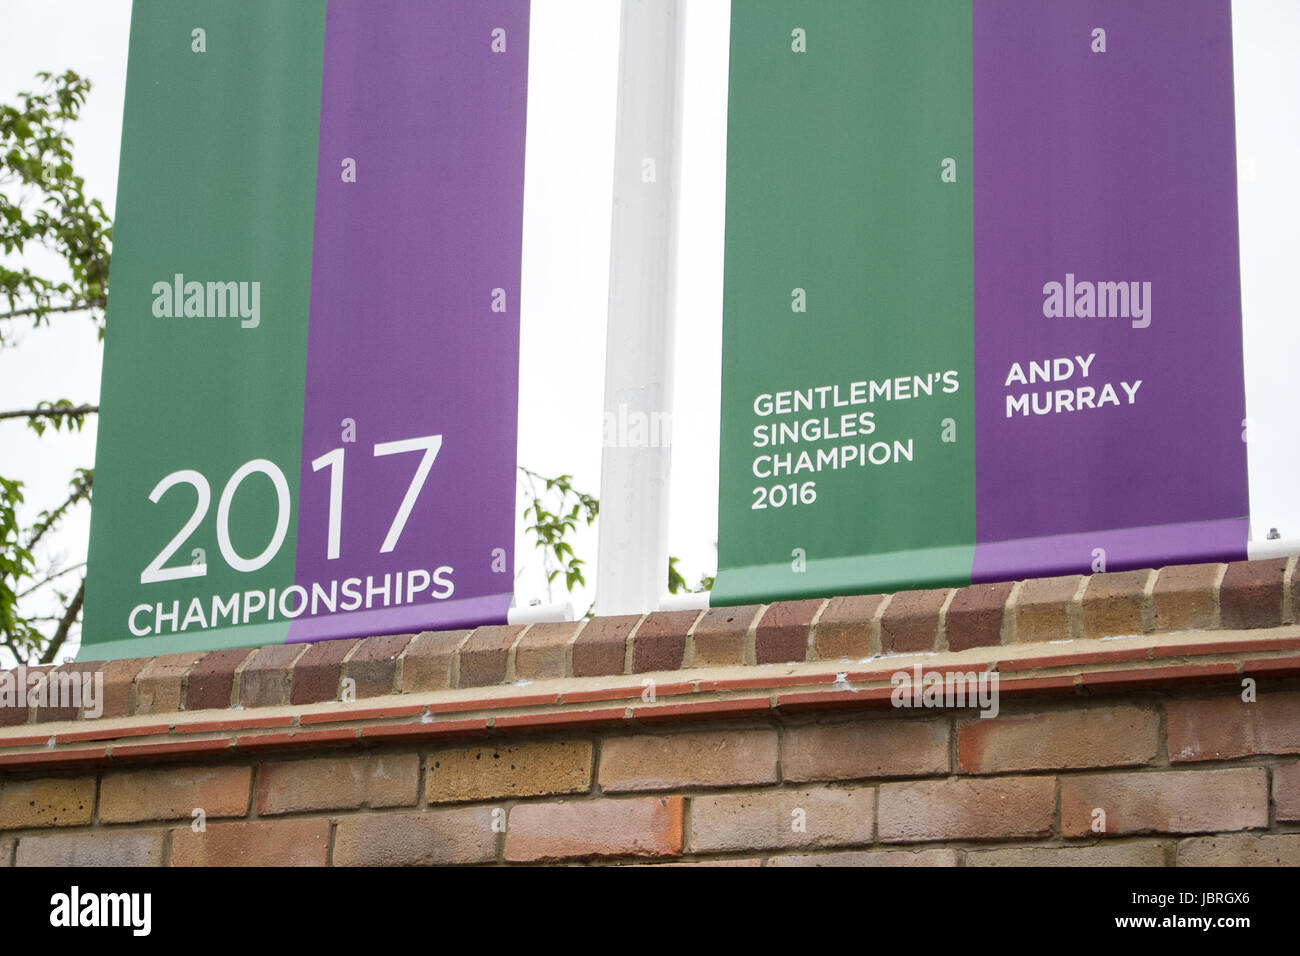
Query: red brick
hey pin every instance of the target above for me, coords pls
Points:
(119, 685)
(785, 631)
(483, 657)
(660, 641)
(353, 712)
(1204, 801)
(264, 679)
(329, 783)
(766, 682)
(728, 862)
(1185, 597)
(300, 842)
(494, 702)
(542, 653)
(1140, 677)
(1251, 594)
(875, 697)
(212, 681)
(720, 636)
(1241, 849)
(131, 796)
(506, 769)
(625, 693)
(373, 667)
(911, 621)
(891, 858)
(969, 671)
(1044, 609)
(695, 759)
(1126, 853)
(316, 675)
(780, 819)
(1113, 603)
(858, 749)
(1272, 667)
(437, 730)
(1041, 660)
(93, 848)
(47, 759)
(572, 830)
(1236, 644)
(601, 646)
(1220, 728)
(159, 687)
(1038, 686)
(46, 802)
(844, 629)
(10, 714)
(966, 809)
(974, 617)
(700, 710)
(182, 747)
(104, 733)
(1286, 791)
(231, 724)
(869, 677)
(65, 684)
(568, 719)
(429, 662)
(297, 740)
(433, 838)
(1119, 736)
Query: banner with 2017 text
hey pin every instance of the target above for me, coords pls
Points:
(310, 377)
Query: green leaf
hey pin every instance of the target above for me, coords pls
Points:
(45, 217)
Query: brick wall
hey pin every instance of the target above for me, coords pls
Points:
(759, 736)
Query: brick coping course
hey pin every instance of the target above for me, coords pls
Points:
(1095, 624)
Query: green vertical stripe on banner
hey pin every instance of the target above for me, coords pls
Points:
(848, 266)
(217, 184)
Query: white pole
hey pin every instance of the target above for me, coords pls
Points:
(1257, 550)
(632, 556)
(539, 613)
(685, 601)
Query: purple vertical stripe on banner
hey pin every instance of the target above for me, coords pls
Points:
(1125, 548)
(1115, 166)
(404, 339)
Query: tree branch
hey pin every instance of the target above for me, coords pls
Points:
(45, 310)
(79, 490)
(53, 577)
(56, 411)
(65, 625)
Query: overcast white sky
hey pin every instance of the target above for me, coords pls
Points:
(572, 87)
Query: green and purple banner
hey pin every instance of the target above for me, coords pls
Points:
(982, 311)
(309, 401)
